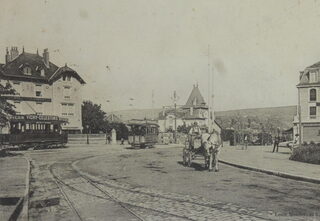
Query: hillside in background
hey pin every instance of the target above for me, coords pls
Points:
(283, 114)
(126, 115)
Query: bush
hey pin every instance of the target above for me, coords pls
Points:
(308, 153)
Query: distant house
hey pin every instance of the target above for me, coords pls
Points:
(112, 118)
(195, 110)
(43, 88)
(309, 94)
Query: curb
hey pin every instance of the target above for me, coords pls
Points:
(274, 173)
(21, 210)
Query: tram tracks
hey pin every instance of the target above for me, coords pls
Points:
(218, 205)
(107, 196)
(104, 187)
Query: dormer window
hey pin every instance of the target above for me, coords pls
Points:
(27, 70)
(314, 76)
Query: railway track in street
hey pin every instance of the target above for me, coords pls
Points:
(141, 203)
(62, 184)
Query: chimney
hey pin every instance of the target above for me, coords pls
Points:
(46, 57)
(14, 53)
(8, 57)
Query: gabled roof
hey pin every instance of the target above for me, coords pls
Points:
(195, 99)
(34, 61)
(315, 65)
(113, 118)
(63, 70)
(13, 70)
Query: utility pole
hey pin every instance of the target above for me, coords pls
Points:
(152, 104)
(209, 92)
(175, 98)
(299, 116)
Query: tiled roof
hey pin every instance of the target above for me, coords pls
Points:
(14, 69)
(34, 61)
(195, 98)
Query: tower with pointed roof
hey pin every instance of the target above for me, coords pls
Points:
(196, 109)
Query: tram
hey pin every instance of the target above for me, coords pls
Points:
(35, 131)
(143, 134)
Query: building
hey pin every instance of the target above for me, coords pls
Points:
(43, 88)
(195, 110)
(309, 100)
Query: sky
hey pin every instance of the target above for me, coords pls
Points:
(135, 48)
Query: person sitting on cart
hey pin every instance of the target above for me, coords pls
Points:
(194, 133)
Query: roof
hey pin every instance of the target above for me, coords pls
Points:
(13, 70)
(195, 99)
(142, 122)
(68, 70)
(113, 118)
(315, 65)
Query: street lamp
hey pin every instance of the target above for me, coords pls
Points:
(87, 126)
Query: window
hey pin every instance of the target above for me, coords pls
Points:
(66, 91)
(39, 108)
(313, 95)
(17, 87)
(42, 73)
(67, 109)
(27, 70)
(313, 112)
(38, 93)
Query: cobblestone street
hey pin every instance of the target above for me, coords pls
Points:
(151, 184)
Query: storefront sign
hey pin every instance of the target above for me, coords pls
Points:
(33, 117)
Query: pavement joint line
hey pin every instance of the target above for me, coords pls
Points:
(274, 173)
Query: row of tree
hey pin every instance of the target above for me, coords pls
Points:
(94, 120)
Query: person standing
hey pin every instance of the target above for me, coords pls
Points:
(245, 142)
(276, 143)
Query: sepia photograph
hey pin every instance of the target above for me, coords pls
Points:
(154, 110)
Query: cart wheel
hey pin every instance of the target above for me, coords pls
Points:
(189, 159)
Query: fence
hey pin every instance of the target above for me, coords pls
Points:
(82, 138)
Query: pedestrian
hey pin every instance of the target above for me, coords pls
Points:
(276, 144)
(109, 139)
(245, 142)
(122, 141)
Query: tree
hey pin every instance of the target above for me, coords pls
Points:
(121, 129)
(6, 108)
(94, 117)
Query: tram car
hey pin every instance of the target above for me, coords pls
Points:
(143, 134)
(35, 131)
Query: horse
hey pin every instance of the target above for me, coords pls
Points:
(211, 144)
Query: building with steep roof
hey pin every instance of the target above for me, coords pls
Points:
(43, 88)
(309, 99)
(194, 111)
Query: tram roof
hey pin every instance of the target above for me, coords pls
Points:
(142, 124)
(37, 118)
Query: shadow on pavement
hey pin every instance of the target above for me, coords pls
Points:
(195, 166)
(6, 153)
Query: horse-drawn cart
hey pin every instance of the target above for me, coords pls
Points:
(206, 146)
